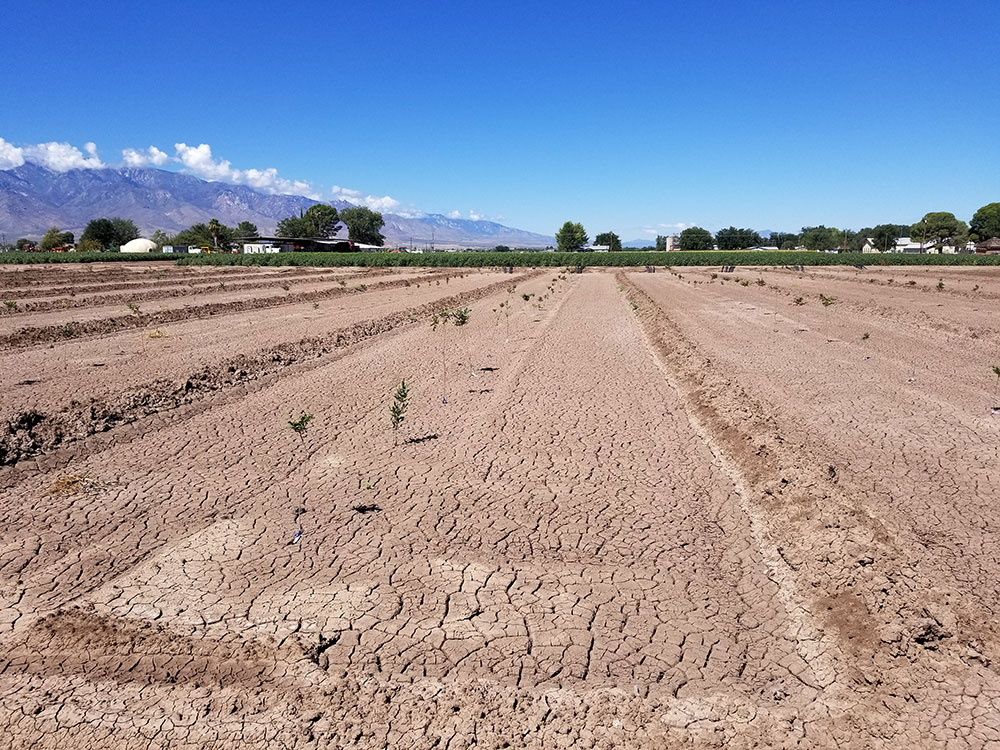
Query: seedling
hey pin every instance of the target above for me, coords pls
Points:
(865, 336)
(361, 288)
(975, 288)
(940, 285)
(744, 282)
(460, 317)
(300, 425)
(315, 305)
(10, 304)
(286, 286)
(68, 331)
(397, 412)
(635, 305)
(827, 301)
(996, 371)
(761, 282)
(526, 297)
(133, 307)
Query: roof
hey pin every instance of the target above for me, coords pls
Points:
(993, 243)
(139, 245)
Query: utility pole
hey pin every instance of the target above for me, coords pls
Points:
(432, 240)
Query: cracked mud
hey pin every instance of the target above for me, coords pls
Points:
(632, 510)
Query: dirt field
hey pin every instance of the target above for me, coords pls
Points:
(694, 509)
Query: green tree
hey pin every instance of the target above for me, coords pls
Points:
(89, 246)
(779, 240)
(940, 228)
(201, 235)
(294, 226)
(213, 230)
(571, 238)
(161, 238)
(363, 225)
(323, 219)
(884, 236)
(501, 249)
(612, 240)
(101, 231)
(695, 238)
(737, 239)
(24, 245)
(51, 240)
(245, 230)
(821, 238)
(125, 231)
(661, 243)
(985, 222)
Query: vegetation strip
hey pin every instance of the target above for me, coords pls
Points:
(35, 335)
(32, 433)
(574, 259)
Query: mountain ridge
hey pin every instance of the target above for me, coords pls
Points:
(34, 198)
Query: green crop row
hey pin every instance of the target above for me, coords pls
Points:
(625, 258)
(523, 259)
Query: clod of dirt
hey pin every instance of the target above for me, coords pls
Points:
(363, 509)
(929, 634)
(422, 439)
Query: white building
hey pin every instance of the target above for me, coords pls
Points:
(139, 245)
(911, 246)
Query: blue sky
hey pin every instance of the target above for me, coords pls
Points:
(636, 117)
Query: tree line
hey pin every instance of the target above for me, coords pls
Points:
(935, 230)
(317, 222)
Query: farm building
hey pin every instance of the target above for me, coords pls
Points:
(256, 245)
(989, 247)
(139, 245)
(910, 246)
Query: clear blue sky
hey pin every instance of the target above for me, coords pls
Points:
(629, 116)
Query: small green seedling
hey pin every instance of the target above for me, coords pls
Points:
(68, 331)
(635, 305)
(134, 308)
(460, 317)
(299, 425)
(10, 304)
(827, 301)
(397, 412)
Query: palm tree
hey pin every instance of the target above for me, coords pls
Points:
(213, 227)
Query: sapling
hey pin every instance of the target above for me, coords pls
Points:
(300, 425)
(10, 304)
(397, 412)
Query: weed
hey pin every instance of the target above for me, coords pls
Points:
(526, 297)
(799, 301)
(397, 412)
(975, 288)
(133, 307)
(65, 486)
(68, 331)
(940, 285)
(761, 282)
(714, 276)
(157, 334)
(299, 425)
(744, 282)
(865, 336)
(10, 304)
(635, 305)
(827, 301)
(315, 305)
(460, 317)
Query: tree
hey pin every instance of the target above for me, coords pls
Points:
(213, 230)
(737, 239)
(125, 231)
(323, 219)
(363, 225)
(201, 235)
(985, 222)
(779, 239)
(884, 236)
(160, 238)
(294, 226)
(695, 238)
(940, 228)
(89, 246)
(610, 239)
(821, 238)
(571, 238)
(661, 243)
(110, 233)
(245, 230)
(24, 245)
(51, 240)
(501, 249)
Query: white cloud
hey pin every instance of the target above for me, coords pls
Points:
(62, 157)
(144, 157)
(475, 215)
(199, 161)
(385, 203)
(10, 155)
(454, 214)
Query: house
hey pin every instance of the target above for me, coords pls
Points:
(139, 245)
(596, 248)
(989, 247)
(911, 246)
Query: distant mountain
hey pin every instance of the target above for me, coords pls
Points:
(651, 242)
(33, 198)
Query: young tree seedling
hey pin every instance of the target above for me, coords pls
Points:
(397, 411)
(300, 425)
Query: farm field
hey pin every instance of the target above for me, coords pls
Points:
(676, 509)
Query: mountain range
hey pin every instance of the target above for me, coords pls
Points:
(34, 198)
